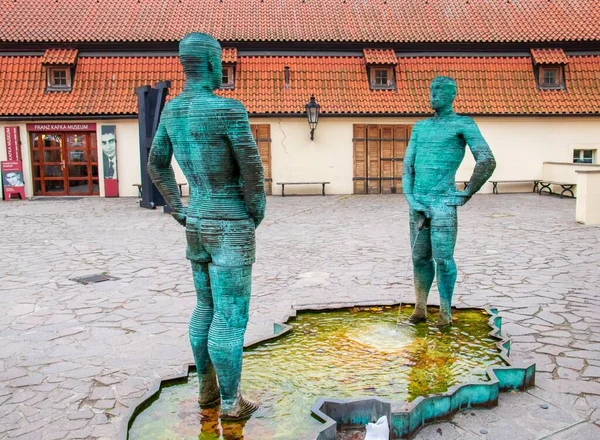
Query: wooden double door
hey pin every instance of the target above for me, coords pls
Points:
(262, 136)
(379, 152)
(64, 164)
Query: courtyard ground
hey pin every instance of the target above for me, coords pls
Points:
(75, 358)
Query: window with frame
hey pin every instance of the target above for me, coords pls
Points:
(382, 78)
(584, 156)
(550, 77)
(228, 77)
(59, 78)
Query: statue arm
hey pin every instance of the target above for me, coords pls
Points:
(485, 163)
(249, 163)
(161, 172)
(408, 172)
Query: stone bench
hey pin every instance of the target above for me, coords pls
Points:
(496, 182)
(566, 187)
(283, 184)
(139, 187)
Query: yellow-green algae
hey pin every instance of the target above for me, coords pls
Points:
(357, 352)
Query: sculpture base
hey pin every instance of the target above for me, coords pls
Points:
(367, 361)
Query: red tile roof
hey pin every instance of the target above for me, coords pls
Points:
(60, 57)
(229, 55)
(380, 56)
(549, 56)
(487, 85)
(301, 20)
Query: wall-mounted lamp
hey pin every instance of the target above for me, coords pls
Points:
(312, 113)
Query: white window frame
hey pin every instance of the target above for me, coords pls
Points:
(373, 74)
(581, 154)
(51, 85)
(559, 77)
(230, 69)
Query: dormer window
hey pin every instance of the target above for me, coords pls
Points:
(382, 77)
(381, 68)
(228, 78)
(60, 65)
(59, 78)
(550, 77)
(229, 59)
(549, 65)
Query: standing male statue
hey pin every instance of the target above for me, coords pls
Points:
(434, 153)
(212, 142)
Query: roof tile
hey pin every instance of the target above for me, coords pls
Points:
(229, 55)
(380, 56)
(549, 56)
(60, 57)
(396, 21)
(487, 85)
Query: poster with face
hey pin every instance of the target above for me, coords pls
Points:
(13, 179)
(109, 151)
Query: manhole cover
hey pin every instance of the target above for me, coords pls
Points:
(94, 278)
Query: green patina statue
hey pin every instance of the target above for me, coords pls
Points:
(434, 153)
(212, 142)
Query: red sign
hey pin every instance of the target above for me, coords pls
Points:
(12, 179)
(61, 127)
(109, 159)
(13, 143)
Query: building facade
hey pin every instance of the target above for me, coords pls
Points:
(529, 76)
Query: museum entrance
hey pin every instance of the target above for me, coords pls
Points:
(64, 163)
(379, 157)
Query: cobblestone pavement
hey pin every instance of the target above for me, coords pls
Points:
(74, 358)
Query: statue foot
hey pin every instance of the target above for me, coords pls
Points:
(209, 402)
(210, 395)
(419, 315)
(238, 409)
(444, 320)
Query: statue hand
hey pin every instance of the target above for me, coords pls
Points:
(180, 216)
(420, 208)
(459, 198)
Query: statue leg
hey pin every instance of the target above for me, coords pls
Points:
(443, 240)
(423, 267)
(199, 325)
(201, 316)
(231, 287)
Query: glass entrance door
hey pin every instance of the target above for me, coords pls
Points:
(48, 164)
(82, 164)
(64, 164)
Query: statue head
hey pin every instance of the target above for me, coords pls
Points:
(200, 55)
(442, 92)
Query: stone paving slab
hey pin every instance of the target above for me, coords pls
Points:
(581, 431)
(75, 358)
(518, 415)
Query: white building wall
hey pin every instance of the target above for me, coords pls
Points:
(521, 146)
(587, 209)
(128, 157)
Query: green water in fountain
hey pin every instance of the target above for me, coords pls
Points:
(357, 352)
